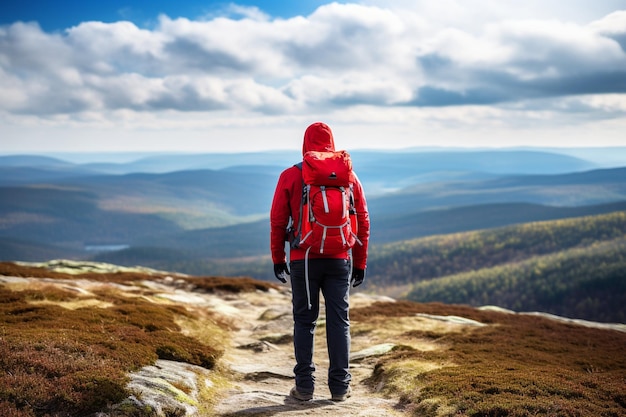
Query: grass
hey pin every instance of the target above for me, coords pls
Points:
(517, 366)
(67, 353)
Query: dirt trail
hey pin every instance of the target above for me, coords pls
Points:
(261, 357)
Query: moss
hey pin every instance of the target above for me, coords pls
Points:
(210, 390)
(171, 391)
(130, 408)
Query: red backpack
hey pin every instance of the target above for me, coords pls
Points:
(327, 223)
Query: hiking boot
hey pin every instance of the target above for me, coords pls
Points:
(301, 396)
(342, 397)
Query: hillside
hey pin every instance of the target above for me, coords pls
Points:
(572, 267)
(436, 256)
(81, 343)
(585, 283)
(119, 209)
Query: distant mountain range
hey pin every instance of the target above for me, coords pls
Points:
(215, 206)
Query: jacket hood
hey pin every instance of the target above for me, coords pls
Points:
(318, 137)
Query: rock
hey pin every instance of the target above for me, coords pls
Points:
(620, 327)
(607, 326)
(261, 346)
(166, 388)
(262, 375)
(274, 313)
(278, 339)
(376, 350)
(81, 267)
(496, 309)
(258, 371)
(453, 319)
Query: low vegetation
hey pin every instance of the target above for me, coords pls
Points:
(67, 353)
(518, 365)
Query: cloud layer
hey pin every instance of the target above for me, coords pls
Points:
(341, 57)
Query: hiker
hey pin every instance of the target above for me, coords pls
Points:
(312, 272)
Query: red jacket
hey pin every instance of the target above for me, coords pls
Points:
(286, 204)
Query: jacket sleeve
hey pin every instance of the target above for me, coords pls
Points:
(279, 219)
(359, 251)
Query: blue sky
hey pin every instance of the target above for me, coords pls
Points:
(61, 14)
(193, 76)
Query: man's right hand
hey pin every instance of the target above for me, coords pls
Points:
(281, 272)
(358, 275)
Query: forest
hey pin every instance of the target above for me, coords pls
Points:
(574, 267)
(431, 257)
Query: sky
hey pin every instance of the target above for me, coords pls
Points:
(206, 76)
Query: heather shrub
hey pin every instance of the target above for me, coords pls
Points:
(56, 361)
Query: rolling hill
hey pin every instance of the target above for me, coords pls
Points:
(586, 282)
(573, 267)
(573, 189)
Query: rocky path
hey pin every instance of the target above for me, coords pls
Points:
(261, 358)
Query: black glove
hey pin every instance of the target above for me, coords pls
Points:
(281, 271)
(358, 275)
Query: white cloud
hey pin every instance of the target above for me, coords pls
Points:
(233, 10)
(448, 63)
(612, 24)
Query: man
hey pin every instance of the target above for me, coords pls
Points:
(330, 274)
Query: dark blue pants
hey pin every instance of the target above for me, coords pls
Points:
(332, 278)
